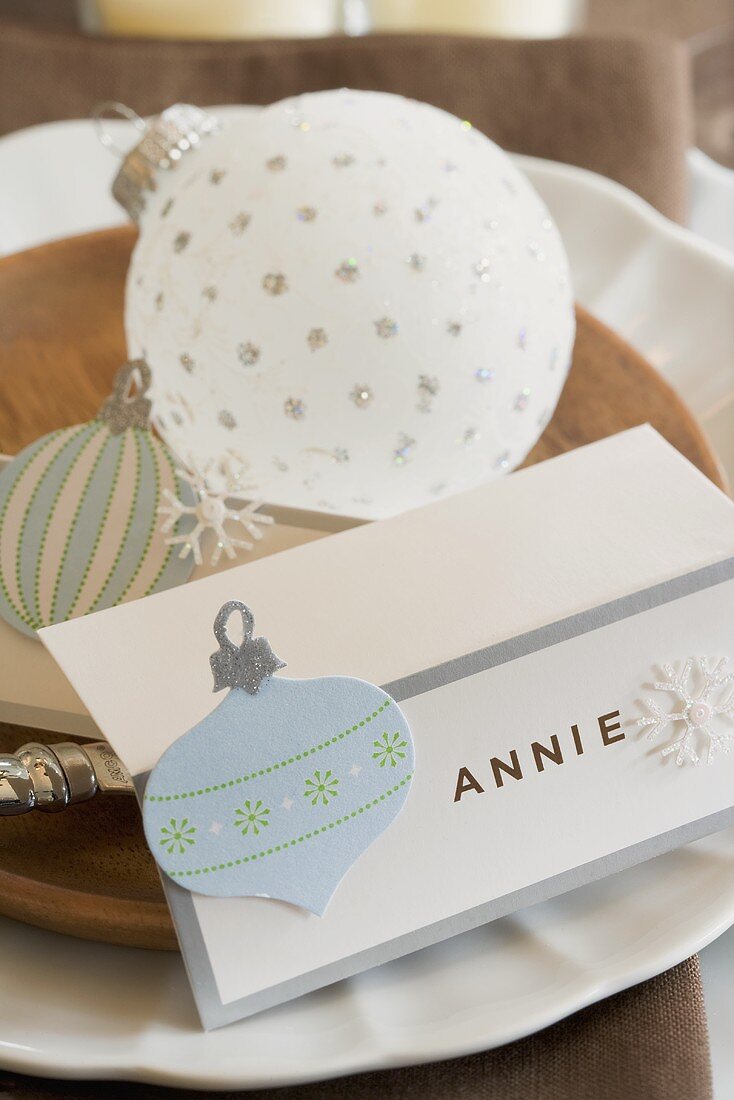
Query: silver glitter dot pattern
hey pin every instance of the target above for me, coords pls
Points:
(317, 339)
(428, 387)
(294, 408)
(404, 449)
(348, 271)
(386, 327)
(361, 395)
(423, 213)
(275, 284)
(227, 420)
(239, 223)
(413, 272)
(521, 401)
(502, 461)
(248, 354)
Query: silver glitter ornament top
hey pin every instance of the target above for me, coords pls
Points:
(248, 665)
(127, 406)
(166, 138)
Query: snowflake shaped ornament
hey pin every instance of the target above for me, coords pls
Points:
(213, 510)
(698, 687)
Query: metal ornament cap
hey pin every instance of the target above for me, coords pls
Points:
(248, 665)
(167, 138)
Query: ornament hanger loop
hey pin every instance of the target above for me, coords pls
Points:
(248, 665)
(111, 108)
(127, 406)
(220, 624)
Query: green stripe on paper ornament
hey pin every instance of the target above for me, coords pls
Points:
(79, 522)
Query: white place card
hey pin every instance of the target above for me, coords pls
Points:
(520, 627)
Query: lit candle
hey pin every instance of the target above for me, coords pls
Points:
(213, 19)
(508, 18)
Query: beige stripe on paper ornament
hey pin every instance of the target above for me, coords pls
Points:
(112, 532)
(15, 514)
(158, 553)
(62, 523)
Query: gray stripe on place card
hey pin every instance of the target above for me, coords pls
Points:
(214, 1013)
(418, 683)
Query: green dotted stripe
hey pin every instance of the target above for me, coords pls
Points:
(101, 528)
(159, 449)
(19, 475)
(296, 840)
(33, 620)
(274, 767)
(144, 435)
(71, 532)
(129, 522)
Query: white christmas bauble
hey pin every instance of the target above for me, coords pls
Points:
(355, 298)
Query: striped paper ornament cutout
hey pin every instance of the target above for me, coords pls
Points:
(79, 523)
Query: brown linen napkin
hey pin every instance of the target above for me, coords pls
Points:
(619, 106)
(675, 18)
(648, 1043)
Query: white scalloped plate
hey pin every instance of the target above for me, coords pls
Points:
(78, 1009)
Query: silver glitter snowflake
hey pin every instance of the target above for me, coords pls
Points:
(348, 271)
(386, 327)
(212, 512)
(698, 688)
(248, 354)
(275, 283)
(239, 223)
(317, 339)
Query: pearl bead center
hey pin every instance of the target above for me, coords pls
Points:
(699, 713)
(211, 510)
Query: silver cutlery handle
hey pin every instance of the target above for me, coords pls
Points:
(51, 777)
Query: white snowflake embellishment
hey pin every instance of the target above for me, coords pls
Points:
(698, 687)
(212, 511)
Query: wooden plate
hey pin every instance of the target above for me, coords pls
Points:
(87, 871)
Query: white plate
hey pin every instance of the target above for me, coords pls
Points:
(85, 1010)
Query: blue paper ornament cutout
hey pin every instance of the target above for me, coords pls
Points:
(283, 786)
